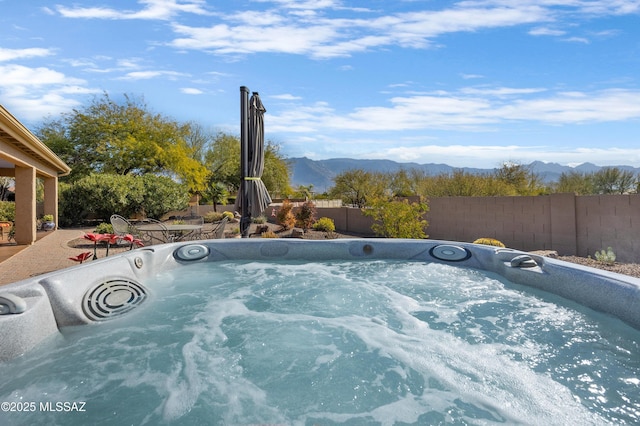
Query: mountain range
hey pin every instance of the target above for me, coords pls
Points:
(320, 173)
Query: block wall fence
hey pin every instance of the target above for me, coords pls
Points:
(566, 223)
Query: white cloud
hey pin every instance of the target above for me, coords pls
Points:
(323, 37)
(146, 75)
(191, 91)
(466, 110)
(471, 76)
(286, 97)
(576, 107)
(13, 54)
(493, 156)
(18, 75)
(305, 28)
(499, 91)
(577, 40)
(152, 10)
(33, 93)
(545, 31)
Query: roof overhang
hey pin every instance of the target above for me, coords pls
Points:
(20, 147)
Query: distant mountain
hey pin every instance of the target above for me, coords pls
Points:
(320, 173)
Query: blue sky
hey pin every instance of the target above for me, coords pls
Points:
(468, 83)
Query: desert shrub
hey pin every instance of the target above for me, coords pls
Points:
(285, 217)
(489, 242)
(398, 218)
(211, 217)
(259, 220)
(608, 256)
(324, 224)
(7, 211)
(104, 228)
(305, 216)
(269, 234)
(229, 215)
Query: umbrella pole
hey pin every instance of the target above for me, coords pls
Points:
(245, 219)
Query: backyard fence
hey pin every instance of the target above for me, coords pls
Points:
(566, 223)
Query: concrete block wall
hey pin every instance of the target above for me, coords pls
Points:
(569, 224)
(519, 222)
(609, 221)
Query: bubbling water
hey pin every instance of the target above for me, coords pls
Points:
(379, 342)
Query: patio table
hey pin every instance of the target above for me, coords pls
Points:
(176, 232)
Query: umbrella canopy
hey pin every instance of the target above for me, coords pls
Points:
(254, 197)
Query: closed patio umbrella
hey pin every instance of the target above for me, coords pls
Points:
(254, 197)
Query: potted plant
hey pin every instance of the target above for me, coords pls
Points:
(47, 223)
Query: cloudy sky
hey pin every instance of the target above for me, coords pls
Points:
(468, 83)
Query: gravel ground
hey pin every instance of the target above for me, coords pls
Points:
(631, 269)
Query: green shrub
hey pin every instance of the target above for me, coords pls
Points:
(261, 220)
(398, 218)
(7, 211)
(104, 228)
(489, 242)
(213, 217)
(324, 224)
(101, 195)
(608, 256)
(229, 215)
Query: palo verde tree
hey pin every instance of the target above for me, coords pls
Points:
(575, 182)
(356, 187)
(613, 180)
(123, 138)
(520, 178)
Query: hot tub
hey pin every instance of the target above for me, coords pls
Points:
(362, 331)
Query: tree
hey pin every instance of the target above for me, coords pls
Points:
(613, 180)
(398, 218)
(520, 178)
(402, 183)
(576, 183)
(5, 184)
(123, 138)
(223, 161)
(276, 175)
(355, 187)
(217, 193)
(198, 140)
(305, 192)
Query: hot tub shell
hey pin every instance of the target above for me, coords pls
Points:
(97, 290)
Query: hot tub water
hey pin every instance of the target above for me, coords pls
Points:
(378, 342)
